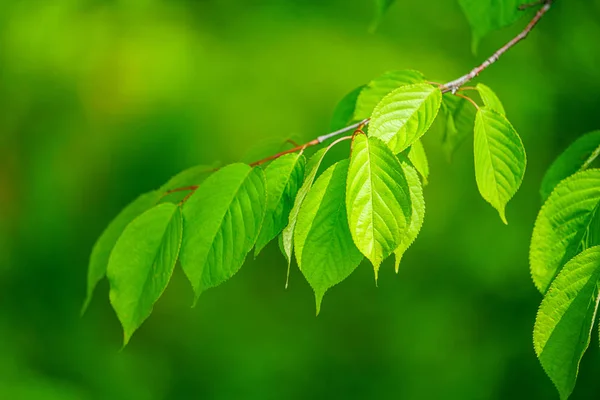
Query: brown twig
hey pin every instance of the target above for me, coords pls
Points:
(454, 85)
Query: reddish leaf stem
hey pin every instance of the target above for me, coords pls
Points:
(462, 96)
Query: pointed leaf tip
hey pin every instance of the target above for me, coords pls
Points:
(323, 245)
(499, 158)
(141, 264)
(377, 199)
(565, 319)
(106, 242)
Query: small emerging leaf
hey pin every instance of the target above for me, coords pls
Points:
(106, 242)
(418, 159)
(404, 115)
(565, 319)
(578, 156)
(490, 98)
(141, 264)
(222, 221)
(418, 210)
(499, 159)
(377, 199)
(284, 177)
(562, 226)
(380, 87)
(324, 248)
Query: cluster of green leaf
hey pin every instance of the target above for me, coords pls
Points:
(565, 261)
(369, 205)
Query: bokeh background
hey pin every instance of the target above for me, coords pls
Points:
(101, 100)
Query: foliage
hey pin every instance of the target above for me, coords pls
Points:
(370, 205)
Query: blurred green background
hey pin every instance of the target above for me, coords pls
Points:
(101, 100)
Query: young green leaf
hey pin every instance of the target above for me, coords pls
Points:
(562, 225)
(578, 156)
(565, 319)
(485, 16)
(105, 243)
(490, 98)
(141, 264)
(499, 159)
(222, 221)
(381, 8)
(404, 115)
(460, 120)
(284, 177)
(324, 248)
(343, 114)
(418, 210)
(377, 199)
(380, 87)
(312, 167)
(418, 159)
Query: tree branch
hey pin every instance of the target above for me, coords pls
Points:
(452, 86)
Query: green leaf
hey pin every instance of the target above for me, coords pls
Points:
(284, 177)
(377, 199)
(381, 8)
(312, 167)
(565, 319)
(106, 241)
(486, 16)
(222, 221)
(380, 87)
(324, 248)
(499, 159)
(418, 159)
(141, 264)
(343, 114)
(562, 224)
(418, 210)
(460, 120)
(490, 98)
(404, 115)
(578, 156)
